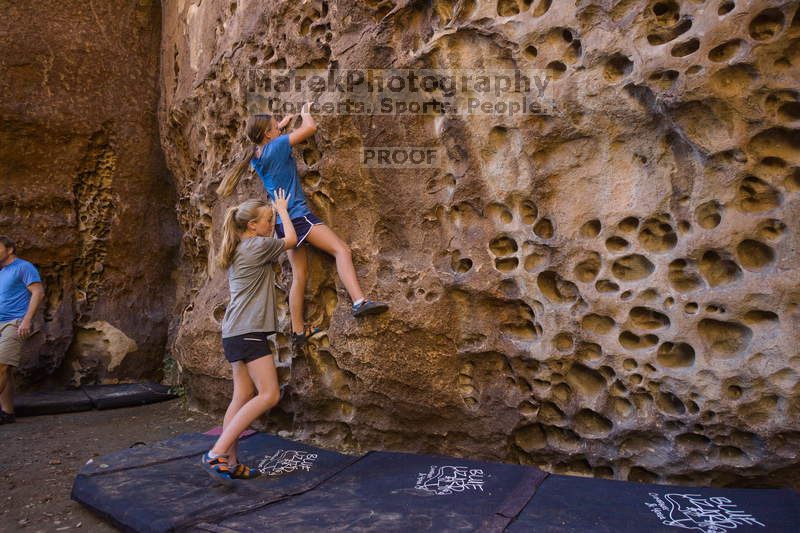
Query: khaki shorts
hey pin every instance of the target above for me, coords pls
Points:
(10, 343)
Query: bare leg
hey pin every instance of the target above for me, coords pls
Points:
(298, 257)
(262, 372)
(243, 390)
(326, 240)
(7, 388)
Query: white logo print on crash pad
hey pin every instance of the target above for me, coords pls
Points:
(443, 480)
(698, 513)
(286, 461)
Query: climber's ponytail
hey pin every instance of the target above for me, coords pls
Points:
(255, 128)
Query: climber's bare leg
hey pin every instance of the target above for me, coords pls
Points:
(326, 240)
(298, 257)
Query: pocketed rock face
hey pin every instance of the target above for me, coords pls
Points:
(85, 191)
(610, 289)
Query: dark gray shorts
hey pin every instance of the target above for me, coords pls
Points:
(246, 347)
(302, 226)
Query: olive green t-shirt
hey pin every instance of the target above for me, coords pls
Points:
(252, 287)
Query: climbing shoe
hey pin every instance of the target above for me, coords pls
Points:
(217, 468)
(369, 307)
(240, 471)
(301, 339)
(7, 418)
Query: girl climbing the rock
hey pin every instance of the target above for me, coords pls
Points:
(270, 154)
(248, 252)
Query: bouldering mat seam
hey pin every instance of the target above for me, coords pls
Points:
(211, 518)
(515, 502)
(297, 492)
(143, 465)
(98, 397)
(212, 528)
(522, 493)
(186, 455)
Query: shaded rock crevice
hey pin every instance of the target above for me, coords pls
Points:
(85, 191)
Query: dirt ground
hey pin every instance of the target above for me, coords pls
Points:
(42, 454)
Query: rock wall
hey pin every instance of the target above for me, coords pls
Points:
(85, 190)
(610, 289)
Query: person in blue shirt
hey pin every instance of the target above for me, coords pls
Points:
(21, 292)
(270, 155)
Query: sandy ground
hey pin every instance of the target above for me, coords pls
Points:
(42, 454)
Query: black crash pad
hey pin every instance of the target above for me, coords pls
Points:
(127, 394)
(161, 487)
(387, 491)
(51, 402)
(89, 396)
(575, 504)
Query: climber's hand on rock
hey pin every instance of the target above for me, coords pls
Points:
(285, 121)
(307, 126)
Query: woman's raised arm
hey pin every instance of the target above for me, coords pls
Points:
(307, 126)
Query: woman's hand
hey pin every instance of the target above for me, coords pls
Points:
(307, 127)
(281, 201)
(285, 121)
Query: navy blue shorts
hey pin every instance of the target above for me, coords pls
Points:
(246, 347)
(302, 225)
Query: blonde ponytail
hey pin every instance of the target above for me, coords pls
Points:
(255, 128)
(235, 223)
(231, 180)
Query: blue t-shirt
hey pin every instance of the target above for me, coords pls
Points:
(14, 293)
(277, 169)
